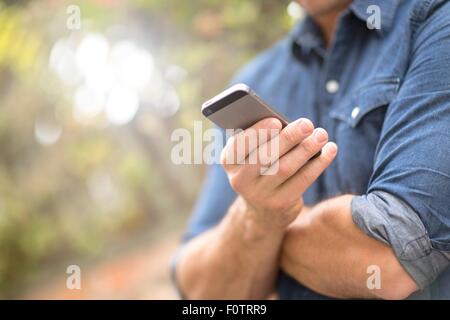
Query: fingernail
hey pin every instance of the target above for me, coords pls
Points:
(320, 135)
(305, 127)
(331, 148)
(276, 123)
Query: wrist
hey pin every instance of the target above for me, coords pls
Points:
(255, 226)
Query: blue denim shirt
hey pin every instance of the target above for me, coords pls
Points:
(383, 95)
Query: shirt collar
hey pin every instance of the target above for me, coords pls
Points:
(388, 9)
(307, 36)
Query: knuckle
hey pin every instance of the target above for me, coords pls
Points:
(290, 136)
(324, 161)
(285, 169)
(309, 147)
(307, 177)
(236, 183)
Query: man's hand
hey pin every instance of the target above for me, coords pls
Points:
(239, 257)
(276, 199)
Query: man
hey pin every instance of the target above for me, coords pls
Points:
(381, 207)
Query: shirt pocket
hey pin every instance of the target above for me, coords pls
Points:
(358, 120)
(366, 98)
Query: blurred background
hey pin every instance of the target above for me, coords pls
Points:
(90, 92)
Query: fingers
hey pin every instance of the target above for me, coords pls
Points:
(269, 153)
(293, 134)
(293, 167)
(302, 180)
(296, 158)
(239, 146)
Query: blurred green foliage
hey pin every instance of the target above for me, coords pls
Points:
(50, 211)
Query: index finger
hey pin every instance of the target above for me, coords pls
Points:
(240, 145)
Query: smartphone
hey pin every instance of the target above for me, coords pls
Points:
(239, 107)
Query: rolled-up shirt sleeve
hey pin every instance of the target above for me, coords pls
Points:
(392, 221)
(407, 203)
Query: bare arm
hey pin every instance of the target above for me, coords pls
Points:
(328, 253)
(239, 258)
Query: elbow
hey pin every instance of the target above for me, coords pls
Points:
(397, 293)
(398, 286)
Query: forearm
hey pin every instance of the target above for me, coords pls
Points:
(240, 257)
(237, 259)
(327, 252)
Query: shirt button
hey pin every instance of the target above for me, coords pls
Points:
(332, 86)
(355, 112)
